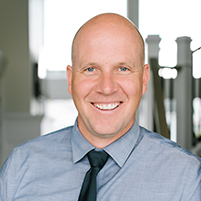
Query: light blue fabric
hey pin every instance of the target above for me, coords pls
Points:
(142, 166)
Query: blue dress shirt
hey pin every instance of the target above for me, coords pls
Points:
(142, 166)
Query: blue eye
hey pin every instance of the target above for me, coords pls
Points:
(123, 69)
(91, 69)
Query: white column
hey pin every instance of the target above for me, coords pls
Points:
(153, 46)
(153, 50)
(133, 15)
(183, 93)
(133, 11)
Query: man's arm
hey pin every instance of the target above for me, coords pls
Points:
(193, 189)
(5, 193)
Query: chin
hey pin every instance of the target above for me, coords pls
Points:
(107, 133)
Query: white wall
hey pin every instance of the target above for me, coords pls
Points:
(17, 123)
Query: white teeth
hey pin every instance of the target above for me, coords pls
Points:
(107, 106)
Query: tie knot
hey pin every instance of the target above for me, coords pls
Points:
(97, 158)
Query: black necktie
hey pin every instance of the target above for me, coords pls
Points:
(97, 160)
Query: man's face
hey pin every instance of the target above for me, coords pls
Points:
(106, 82)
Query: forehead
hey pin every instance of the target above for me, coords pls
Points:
(107, 33)
(108, 38)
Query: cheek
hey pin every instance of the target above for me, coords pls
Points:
(132, 87)
(81, 88)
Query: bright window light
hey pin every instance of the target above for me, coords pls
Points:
(62, 19)
(167, 73)
(171, 19)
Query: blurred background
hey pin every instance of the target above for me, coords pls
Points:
(35, 48)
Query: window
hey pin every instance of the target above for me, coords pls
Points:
(62, 19)
(171, 19)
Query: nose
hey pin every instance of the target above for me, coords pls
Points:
(107, 84)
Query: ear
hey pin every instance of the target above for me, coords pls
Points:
(69, 78)
(145, 77)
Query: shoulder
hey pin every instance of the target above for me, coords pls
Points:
(34, 159)
(168, 160)
(50, 145)
(48, 141)
(167, 148)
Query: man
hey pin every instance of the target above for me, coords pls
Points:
(106, 80)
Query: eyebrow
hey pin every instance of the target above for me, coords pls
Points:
(130, 64)
(122, 63)
(118, 63)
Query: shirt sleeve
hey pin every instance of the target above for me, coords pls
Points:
(194, 187)
(6, 193)
(197, 194)
(3, 180)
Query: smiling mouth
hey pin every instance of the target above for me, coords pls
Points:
(110, 106)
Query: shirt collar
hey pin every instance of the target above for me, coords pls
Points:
(121, 148)
(80, 146)
(118, 150)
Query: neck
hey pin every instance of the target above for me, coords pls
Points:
(101, 141)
